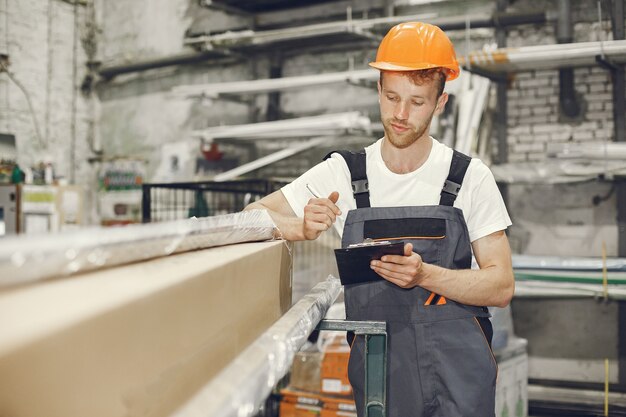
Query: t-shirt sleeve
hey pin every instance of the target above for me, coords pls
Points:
(488, 213)
(324, 178)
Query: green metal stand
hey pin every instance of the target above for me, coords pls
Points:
(375, 333)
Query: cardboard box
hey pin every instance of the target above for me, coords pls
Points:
(299, 404)
(338, 407)
(512, 383)
(334, 372)
(305, 371)
(137, 340)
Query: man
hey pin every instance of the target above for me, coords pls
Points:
(445, 206)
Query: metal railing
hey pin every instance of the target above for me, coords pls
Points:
(173, 201)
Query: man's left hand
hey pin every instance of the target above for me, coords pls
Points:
(405, 271)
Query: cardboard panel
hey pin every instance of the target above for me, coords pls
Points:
(138, 339)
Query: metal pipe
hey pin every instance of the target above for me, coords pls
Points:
(619, 87)
(619, 114)
(568, 101)
(258, 86)
(564, 22)
(501, 121)
(510, 59)
(327, 124)
(273, 99)
(187, 58)
(497, 20)
(619, 126)
(26, 259)
(529, 58)
(240, 388)
(359, 26)
(272, 158)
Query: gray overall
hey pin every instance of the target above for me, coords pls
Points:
(440, 362)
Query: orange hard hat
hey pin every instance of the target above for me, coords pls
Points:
(415, 46)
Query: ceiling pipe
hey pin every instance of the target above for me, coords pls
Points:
(109, 72)
(569, 103)
(452, 23)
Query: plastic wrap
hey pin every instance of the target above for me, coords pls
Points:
(568, 277)
(240, 388)
(29, 258)
(532, 289)
(567, 263)
(601, 151)
(556, 171)
(569, 270)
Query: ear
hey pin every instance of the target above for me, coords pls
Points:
(441, 103)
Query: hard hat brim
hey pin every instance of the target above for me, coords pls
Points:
(388, 66)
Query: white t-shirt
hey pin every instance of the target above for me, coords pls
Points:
(479, 198)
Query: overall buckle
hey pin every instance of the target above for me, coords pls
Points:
(451, 187)
(360, 186)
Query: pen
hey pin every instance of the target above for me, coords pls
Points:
(315, 194)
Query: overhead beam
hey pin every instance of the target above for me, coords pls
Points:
(270, 159)
(320, 12)
(216, 90)
(527, 58)
(111, 71)
(490, 63)
(323, 125)
(367, 8)
(361, 27)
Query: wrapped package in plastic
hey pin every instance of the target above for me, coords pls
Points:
(305, 371)
(240, 388)
(554, 276)
(557, 171)
(569, 269)
(568, 263)
(138, 339)
(547, 289)
(28, 258)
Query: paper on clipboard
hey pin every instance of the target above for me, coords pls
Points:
(353, 262)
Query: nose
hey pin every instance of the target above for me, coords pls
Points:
(401, 111)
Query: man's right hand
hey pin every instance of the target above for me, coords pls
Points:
(319, 215)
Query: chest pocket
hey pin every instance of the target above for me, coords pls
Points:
(426, 234)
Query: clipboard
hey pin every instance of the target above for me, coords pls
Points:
(353, 262)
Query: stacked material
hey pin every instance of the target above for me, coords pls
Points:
(319, 384)
(139, 339)
(128, 339)
(29, 258)
(539, 276)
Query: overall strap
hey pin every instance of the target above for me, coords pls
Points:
(356, 165)
(452, 185)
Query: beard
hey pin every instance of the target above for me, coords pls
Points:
(407, 138)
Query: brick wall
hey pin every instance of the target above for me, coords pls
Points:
(535, 125)
(559, 219)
